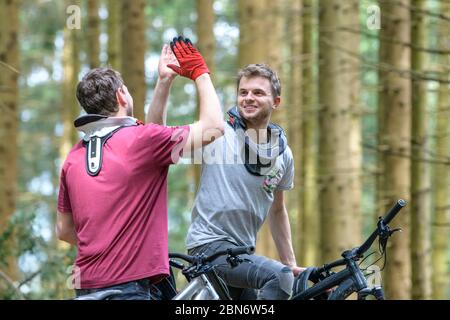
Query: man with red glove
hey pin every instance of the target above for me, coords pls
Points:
(112, 201)
(245, 174)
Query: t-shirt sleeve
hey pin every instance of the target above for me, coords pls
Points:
(63, 195)
(166, 143)
(287, 181)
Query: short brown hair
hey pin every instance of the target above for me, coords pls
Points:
(96, 92)
(261, 70)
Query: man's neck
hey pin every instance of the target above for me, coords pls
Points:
(121, 113)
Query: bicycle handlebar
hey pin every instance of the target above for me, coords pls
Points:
(385, 220)
(184, 257)
(358, 251)
(230, 251)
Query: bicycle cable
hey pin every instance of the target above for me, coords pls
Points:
(382, 247)
(373, 263)
(364, 259)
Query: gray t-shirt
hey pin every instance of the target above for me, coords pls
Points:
(231, 203)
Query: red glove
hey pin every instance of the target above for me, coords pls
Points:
(191, 61)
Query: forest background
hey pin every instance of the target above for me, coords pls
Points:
(365, 104)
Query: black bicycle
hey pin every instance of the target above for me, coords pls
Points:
(330, 285)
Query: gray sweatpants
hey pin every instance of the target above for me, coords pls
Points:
(258, 278)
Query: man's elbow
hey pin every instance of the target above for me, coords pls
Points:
(220, 128)
(215, 131)
(63, 235)
(212, 130)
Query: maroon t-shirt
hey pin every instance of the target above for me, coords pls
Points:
(121, 215)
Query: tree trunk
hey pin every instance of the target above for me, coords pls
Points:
(9, 73)
(70, 108)
(114, 29)
(339, 120)
(441, 220)
(274, 48)
(253, 48)
(420, 173)
(252, 37)
(133, 53)
(294, 112)
(394, 136)
(207, 47)
(309, 224)
(93, 34)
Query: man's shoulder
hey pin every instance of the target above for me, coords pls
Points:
(154, 130)
(74, 155)
(288, 155)
(77, 147)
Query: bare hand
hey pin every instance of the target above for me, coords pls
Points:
(167, 57)
(297, 270)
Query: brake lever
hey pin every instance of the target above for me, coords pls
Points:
(385, 231)
(394, 230)
(234, 261)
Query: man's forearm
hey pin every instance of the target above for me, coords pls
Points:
(157, 112)
(210, 113)
(281, 233)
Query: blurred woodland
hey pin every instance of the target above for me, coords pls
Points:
(365, 103)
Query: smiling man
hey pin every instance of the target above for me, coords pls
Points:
(244, 175)
(234, 199)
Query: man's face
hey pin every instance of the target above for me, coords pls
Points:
(255, 100)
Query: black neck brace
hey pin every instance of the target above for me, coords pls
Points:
(263, 160)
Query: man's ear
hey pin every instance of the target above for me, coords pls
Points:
(276, 102)
(120, 96)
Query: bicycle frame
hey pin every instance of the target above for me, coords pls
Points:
(198, 289)
(352, 273)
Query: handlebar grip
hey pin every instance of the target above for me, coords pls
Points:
(241, 250)
(184, 257)
(232, 252)
(394, 210)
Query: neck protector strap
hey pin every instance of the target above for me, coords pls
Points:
(258, 158)
(98, 129)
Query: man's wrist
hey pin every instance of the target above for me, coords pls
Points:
(290, 264)
(166, 79)
(202, 77)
